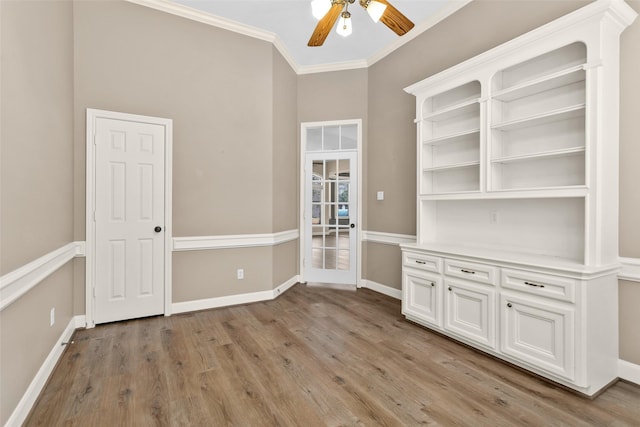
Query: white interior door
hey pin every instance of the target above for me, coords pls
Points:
(331, 212)
(129, 219)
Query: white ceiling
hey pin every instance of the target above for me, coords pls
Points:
(290, 24)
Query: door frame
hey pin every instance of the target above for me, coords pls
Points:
(92, 116)
(359, 227)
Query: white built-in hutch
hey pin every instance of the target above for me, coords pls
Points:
(517, 205)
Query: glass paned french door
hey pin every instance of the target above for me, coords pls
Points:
(330, 217)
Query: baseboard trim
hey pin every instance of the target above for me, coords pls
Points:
(198, 243)
(629, 371)
(383, 289)
(207, 303)
(30, 396)
(20, 281)
(285, 286)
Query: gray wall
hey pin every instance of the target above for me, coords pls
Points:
(236, 106)
(232, 99)
(36, 181)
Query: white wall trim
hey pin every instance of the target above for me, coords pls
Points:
(387, 238)
(207, 303)
(629, 371)
(29, 397)
(630, 269)
(21, 280)
(383, 289)
(333, 66)
(194, 243)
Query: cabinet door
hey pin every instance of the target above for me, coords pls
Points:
(422, 296)
(470, 311)
(540, 334)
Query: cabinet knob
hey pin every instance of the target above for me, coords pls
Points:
(449, 288)
(509, 305)
(433, 284)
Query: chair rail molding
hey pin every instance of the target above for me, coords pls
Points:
(387, 238)
(630, 269)
(197, 243)
(19, 281)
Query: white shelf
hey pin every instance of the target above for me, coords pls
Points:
(566, 113)
(453, 166)
(454, 110)
(543, 155)
(552, 81)
(451, 138)
(576, 191)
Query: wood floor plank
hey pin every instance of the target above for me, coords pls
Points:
(316, 356)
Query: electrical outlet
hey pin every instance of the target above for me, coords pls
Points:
(52, 319)
(240, 274)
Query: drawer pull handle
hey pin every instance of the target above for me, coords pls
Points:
(467, 271)
(420, 262)
(534, 285)
(509, 305)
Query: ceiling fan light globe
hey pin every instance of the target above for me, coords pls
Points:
(344, 27)
(319, 8)
(375, 9)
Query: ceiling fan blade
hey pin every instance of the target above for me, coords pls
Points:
(395, 20)
(325, 25)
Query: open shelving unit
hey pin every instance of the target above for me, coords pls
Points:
(450, 151)
(517, 225)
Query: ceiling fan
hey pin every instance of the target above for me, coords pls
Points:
(328, 12)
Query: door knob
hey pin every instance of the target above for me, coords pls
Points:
(157, 229)
(353, 226)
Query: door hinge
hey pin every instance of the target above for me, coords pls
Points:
(94, 216)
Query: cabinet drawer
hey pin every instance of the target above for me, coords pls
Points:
(480, 273)
(422, 262)
(545, 285)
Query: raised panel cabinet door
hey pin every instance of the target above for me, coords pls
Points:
(470, 312)
(129, 220)
(539, 334)
(422, 297)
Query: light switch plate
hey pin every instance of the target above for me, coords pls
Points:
(380, 195)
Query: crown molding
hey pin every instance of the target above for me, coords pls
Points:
(257, 33)
(334, 66)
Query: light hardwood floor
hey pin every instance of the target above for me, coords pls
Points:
(313, 357)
